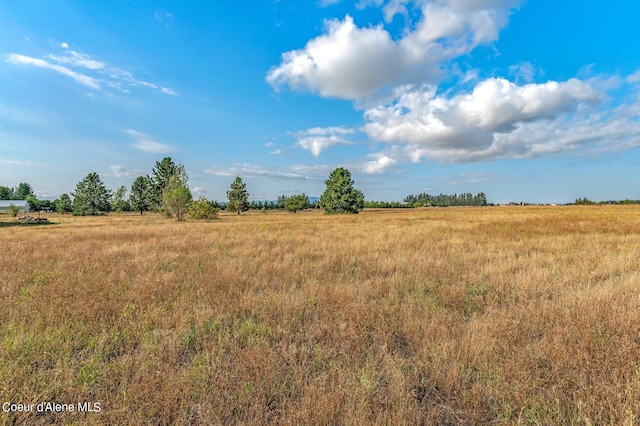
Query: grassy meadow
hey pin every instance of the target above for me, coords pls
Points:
(495, 315)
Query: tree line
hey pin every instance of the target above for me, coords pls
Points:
(444, 200)
(166, 190)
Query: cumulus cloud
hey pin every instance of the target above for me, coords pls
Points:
(276, 152)
(319, 139)
(378, 165)
(396, 81)
(490, 122)
(145, 143)
(352, 62)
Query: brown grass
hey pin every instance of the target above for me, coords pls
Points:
(515, 315)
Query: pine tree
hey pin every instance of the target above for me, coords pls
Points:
(64, 204)
(296, 203)
(238, 197)
(91, 197)
(340, 195)
(118, 203)
(141, 197)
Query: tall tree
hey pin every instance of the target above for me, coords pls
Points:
(118, 203)
(142, 194)
(340, 196)
(91, 197)
(238, 197)
(23, 191)
(161, 174)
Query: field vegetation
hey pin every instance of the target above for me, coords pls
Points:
(494, 315)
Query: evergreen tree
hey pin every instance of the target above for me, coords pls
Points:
(64, 204)
(340, 195)
(141, 197)
(91, 196)
(162, 172)
(238, 197)
(23, 191)
(118, 203)
(6, 193)
(296, 203)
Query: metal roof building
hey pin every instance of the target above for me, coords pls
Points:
(23, 205)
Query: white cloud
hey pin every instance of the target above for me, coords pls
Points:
(269, 144)
(318, 139)
(634, 78)
(71, 62)
(351, 62)
(163, 17)
(121, 172)
(276, 152)
(18, 163)
(168, 91)
(468, 178)
(252, 171)
(379, 165)
(488, 123)
(198, 191)
(147, 144)
(76, 59)
(85, 80)
(325, 3)
(525, 72)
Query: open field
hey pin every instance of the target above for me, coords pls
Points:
(495, 315)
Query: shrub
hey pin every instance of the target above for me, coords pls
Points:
(202, 209)
(13, 210)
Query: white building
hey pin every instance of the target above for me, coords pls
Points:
(23, 205)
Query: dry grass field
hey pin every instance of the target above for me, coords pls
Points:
(496, 315)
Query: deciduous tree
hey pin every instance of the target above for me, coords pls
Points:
(177, 197)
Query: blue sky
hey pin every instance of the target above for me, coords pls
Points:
(535, 101)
